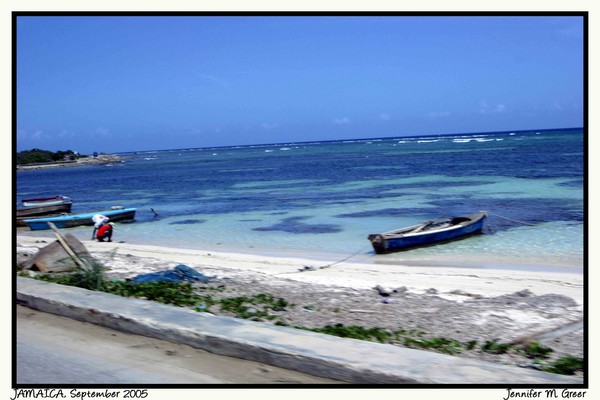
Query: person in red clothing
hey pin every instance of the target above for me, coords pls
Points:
(98, 220)
(105, 232)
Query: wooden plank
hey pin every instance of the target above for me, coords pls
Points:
(67, 248)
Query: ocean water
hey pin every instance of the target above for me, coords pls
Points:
(322, 199)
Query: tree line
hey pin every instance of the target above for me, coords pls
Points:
(44, 156)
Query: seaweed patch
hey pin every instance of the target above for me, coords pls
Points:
(296, 226)
(188, 222)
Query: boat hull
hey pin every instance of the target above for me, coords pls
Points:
(42, 211)
(406, 239)
(73, 220)
(46, 201)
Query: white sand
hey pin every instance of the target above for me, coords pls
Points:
(485, 282)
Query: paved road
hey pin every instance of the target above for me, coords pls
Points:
(57, 350)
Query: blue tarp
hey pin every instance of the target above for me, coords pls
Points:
(181, 273)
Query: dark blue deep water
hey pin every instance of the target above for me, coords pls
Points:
(324, 198)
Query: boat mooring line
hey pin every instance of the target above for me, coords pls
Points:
(342, 260)
(509, 219)
(311, 268)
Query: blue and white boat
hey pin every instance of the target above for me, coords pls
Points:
(114, 214)
(428, 233)
(42, 210)
(46, 201)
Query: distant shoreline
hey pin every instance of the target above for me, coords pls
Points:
(100, 159)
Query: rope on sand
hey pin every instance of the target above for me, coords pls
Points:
(313, 268)
(332, 264)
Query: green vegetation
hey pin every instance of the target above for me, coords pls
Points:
(411, 338)
(45, 156)
(263, 305)
(355, 332)
(249, 307)
(470, 345)
(408, 338)
(180, 294)
(443, 345)
(566, 365)
(536, 350)
(493, 347)
(91, 279)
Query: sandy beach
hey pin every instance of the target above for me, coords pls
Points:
(417, 279)
(451, 302)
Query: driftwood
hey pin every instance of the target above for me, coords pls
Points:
(67, 248)
(55, 257)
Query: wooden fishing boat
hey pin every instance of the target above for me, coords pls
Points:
(42, 211)
(115, 214)
(46, 201)
(428, 233)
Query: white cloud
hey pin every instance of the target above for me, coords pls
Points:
(221, 82)
(65, 134)
(341, 121)
(101, 131)
(37, 135)
(268, 126)
(485, 108)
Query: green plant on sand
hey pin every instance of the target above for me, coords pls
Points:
(567, 365)
(261, 305)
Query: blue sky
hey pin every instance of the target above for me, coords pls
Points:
(115, 83)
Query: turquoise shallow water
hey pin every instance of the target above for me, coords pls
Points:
(322, 199)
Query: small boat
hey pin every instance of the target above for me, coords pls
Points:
(114, 214)
(46, 201)
(428, 233)
(42, 211)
